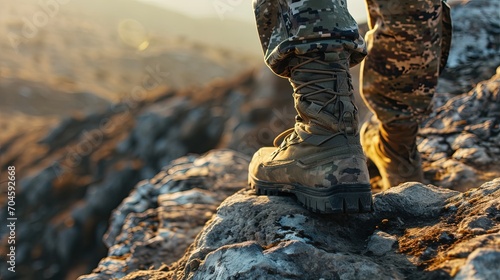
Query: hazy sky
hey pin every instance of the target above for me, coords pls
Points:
(236, 9)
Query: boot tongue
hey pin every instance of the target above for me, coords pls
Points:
(323, 96)
(328, 76)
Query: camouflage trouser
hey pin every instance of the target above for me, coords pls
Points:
(407, 44)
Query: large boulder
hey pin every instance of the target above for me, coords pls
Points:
(416, 231)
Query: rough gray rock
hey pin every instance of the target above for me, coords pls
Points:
(412, 200)
(381, 243)
(155, 224)
(290, 259)
(475, 52)
(482, 264)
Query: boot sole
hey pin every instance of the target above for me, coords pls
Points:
(352, 198)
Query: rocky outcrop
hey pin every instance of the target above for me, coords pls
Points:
(154, 226)
(417, 231)
(273, 238)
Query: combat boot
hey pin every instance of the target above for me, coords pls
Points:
(392, 148)
(320, 160)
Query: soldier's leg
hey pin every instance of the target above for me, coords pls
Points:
(288, 28)
(320, 160)
(399, 77)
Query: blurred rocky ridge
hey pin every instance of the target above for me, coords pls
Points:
(105, 47)
(62, 57)
(74, 176)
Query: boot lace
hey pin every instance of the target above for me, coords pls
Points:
(312, 90)
(328, 76)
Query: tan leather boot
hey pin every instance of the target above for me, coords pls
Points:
(320, 160)
(392, 148)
